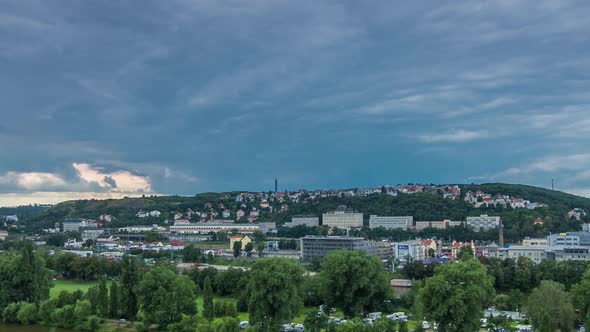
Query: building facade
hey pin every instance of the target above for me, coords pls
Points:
(309, 221)
(483, 222)
(343, 217)
(74, 225)
(570, 239)
(320, 246)
(534, 253)
(391, 222)
(534, 242)
(575, 253)
(204, 228)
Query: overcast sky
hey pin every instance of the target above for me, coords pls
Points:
(114, 98)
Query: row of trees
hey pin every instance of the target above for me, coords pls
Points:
(273, 292)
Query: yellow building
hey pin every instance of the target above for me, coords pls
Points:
(242, 238)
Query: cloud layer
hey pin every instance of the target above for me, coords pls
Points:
(187, 96)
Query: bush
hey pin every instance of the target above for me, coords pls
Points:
(219, 309)
(91, 324)
(28, 314)
(10, 313)
(46, 309)
(65, 317)
(230, 309)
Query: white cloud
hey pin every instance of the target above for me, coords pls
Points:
(125, 181)
(456, 136)
(32, 180)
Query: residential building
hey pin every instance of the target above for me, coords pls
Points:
(576, 214)
(320, 246)
(385, 249)
(244, 239)
(105, 217)
(343, 217)
(307, 220)
(457, 246)
(410, 249)
(585, 227)
(443, 224)
(240, 213)
(391, 222)
(3, 235)
(534, 253)
(483, 222)
(226, 213)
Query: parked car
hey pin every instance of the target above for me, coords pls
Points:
(375, 315)
(368, 321)
(335, 320)
(484, 323)
(244, 324)
(425, 325)
(299, 328)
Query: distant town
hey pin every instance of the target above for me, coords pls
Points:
(199, 225)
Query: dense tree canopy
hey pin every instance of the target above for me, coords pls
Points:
(23, 277)
(550, 308)
(275, 292)
(164, 296)
(455, 296)
(353, 281)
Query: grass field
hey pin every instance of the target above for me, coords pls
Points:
(69, 285)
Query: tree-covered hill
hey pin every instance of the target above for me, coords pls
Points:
(423, 206)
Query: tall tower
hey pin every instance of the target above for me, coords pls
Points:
(276, 185)
(501, 235)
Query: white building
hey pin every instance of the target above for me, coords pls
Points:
(12, 218)
(483, 222)
(342, 218)
(534, 253)
(205, 228)
(309, 221)
(73, 225)
(391, 222)
(140, 229)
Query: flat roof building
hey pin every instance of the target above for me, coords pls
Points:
(391, 222)
(309, 221)
(342, 217)
(483, 222)
(320, 246)
(534, 253)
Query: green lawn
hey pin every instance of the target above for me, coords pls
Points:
(69, 285)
